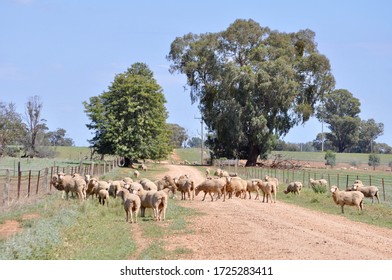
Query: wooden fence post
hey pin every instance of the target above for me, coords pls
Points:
(19, 179)
(6, 187)
(29, 184)
(46, 180)
(383, 188)
(39, 174)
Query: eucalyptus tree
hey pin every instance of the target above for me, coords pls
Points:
(340, 110)
(253, 84)
(129, 119)
(12, 128)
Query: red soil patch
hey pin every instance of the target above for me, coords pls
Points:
(11, 227)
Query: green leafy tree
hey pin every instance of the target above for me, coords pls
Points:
(129, 119)
(374, 160)
(330, 158)
(340, 111)
(178, 135)
(368, 132)
(253, 84)
(12, 128)
(58, 138)
(194, 142)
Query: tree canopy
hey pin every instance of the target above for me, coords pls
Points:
(340, 110)
(129, 119)
(253, 84)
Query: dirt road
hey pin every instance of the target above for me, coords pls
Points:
(249, 229)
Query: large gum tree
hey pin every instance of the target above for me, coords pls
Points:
(253, 84)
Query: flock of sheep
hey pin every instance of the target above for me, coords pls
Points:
(139, 194)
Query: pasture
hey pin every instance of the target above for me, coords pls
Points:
(53, 228)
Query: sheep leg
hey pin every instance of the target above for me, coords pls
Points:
(342, 209)
(204, 197)
(212, 198)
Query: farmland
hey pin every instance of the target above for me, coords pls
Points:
(82, 231)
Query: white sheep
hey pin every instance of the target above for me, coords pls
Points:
(103, 195)
(368, 191)
(253, 185)
(211, 186)
(351, 198)
(114, 186)
(157, 200)
(237, 186)
(271, 179)
(185, 186)
(131, 203)
(318, 183)
(269, 190)
(71, 184)
(148, 185)
(294, 187)
(136, 174)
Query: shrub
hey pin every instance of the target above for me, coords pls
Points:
(330, 158)
(374, 160)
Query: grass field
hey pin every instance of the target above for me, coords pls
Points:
(70, 230)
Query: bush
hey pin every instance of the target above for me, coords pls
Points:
(330, 158)
(374, 160)
(319, 189)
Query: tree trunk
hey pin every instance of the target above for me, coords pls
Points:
(252, 156)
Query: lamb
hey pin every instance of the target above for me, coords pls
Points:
(103, 195)
(185, 186)
(221, 173)
(294, 187)
(351, 198)
(211, 186)
(269, 188)
(131, 203)
(136, 174)
(127, 180)
(368, 191)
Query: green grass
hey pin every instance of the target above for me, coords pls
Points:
(68, 230)
(191, 154)
(374, 214)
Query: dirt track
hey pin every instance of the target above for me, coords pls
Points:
(249, 229)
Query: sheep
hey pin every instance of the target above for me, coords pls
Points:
(351, 198)
(136, 174)
(221, 173)
(253, 186)
(237, 186)
(167, 183)
(211, 186)
(185, 186)
(269, 188)
(320, 182)
(148, 185)
(94, 186)
(157, 200)
(127, 180)
(71, 184)
(114, 186)
(294, 187)
(103, 195)
(208, 172)
(143, 167)
(368, 191)
(131, 203)
(271, 179)
(57, 185)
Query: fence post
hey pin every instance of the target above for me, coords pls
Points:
(6, 187)
(347, 181)
(19, 179)
(39, 174)
(370, 180)
(46, 180)
(383, 188)
(29, 184)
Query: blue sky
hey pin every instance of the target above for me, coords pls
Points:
(66, 51)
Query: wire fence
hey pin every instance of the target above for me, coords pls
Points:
(334, 177)
(23, 185)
